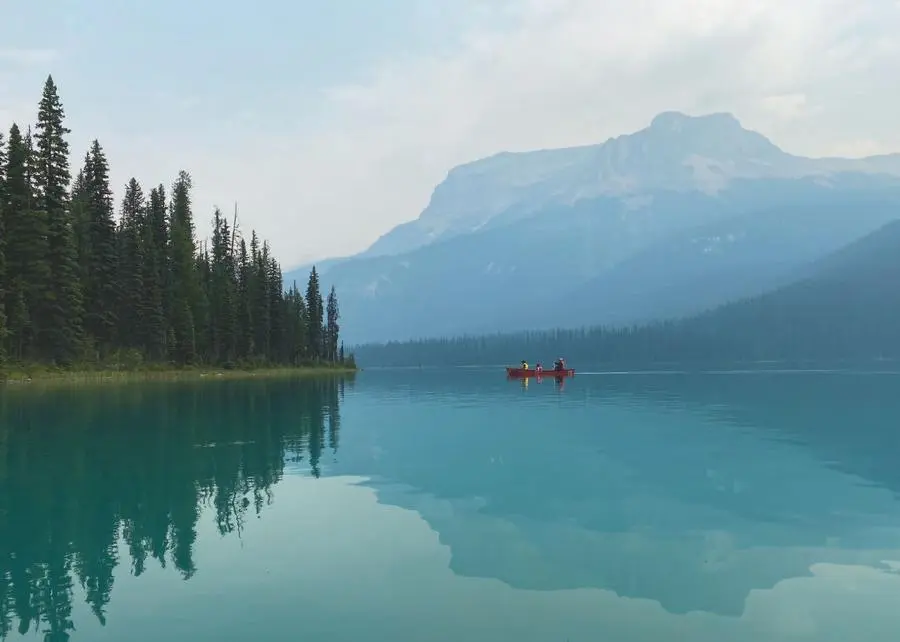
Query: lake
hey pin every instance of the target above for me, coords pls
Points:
(454, 505)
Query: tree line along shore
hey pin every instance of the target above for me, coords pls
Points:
(87, 289)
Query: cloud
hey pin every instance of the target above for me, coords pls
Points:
(360, 157)
(786, 106)
(570, 72)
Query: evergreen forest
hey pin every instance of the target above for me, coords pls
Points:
(842, 310)
(83, 285)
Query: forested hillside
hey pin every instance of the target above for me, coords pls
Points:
(81, 286)
(846, 308)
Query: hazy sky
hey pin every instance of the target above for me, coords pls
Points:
(330, 121)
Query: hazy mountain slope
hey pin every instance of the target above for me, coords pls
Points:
(845, 309)
(456, 285)
(613, 231)
(865, 270)
(848, 308)
(300, 274)
(726, 260)
(602, 262)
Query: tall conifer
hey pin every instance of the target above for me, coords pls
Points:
(185, 297)
(332, 327)
(132, 332)
(27, 270)
(100, 288)
(61, 312)
(314, 317)
(3, 330)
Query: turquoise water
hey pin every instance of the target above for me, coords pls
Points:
(454, 506)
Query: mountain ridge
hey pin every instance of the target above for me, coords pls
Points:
(504, 235)
(842, 307)
(718, 134)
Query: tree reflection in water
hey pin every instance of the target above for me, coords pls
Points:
(82, 470)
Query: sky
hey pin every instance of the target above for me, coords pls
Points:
(329, 122)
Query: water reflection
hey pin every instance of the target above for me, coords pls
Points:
(80, 469)
(744, 508)
(691, 491)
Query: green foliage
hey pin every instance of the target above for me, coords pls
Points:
(223, 287)
(130, 267)
(244, 315)
(98, 256)
(60, 330)
(185, 275)
(154, 243)
(27, 268)
(314, 317)
(77, 287)
(3, 330)
(332, 327)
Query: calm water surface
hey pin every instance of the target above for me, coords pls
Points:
(454, 506)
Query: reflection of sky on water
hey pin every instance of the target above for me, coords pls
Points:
(639, 509)
(329, 561)
(681, 491)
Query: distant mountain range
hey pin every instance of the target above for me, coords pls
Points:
(843, 308)
(684, 215)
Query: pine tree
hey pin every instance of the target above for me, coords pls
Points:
(61, 314)
(3, 241)
(200, 306)
(245, 318)
(223, 292)
(314, 317)
(154, 239)
(100, 260)
(79, 206)
(27, 269)
(295, 327)
(131, 268)
(332, 328)
(184, 284)
(275, 291)
(259, 299)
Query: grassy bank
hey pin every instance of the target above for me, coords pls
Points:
(24, 375)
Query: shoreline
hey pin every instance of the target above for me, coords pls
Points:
(26, 377)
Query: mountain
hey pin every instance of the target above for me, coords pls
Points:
(738, 257)
(617, 232)
(677, 152)
(844, 307)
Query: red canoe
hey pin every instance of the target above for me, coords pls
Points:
(519, 373)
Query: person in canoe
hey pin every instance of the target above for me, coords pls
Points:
(539, 368)
(559, 365)
(524, 365)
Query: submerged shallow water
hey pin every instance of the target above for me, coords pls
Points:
(454, 505)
